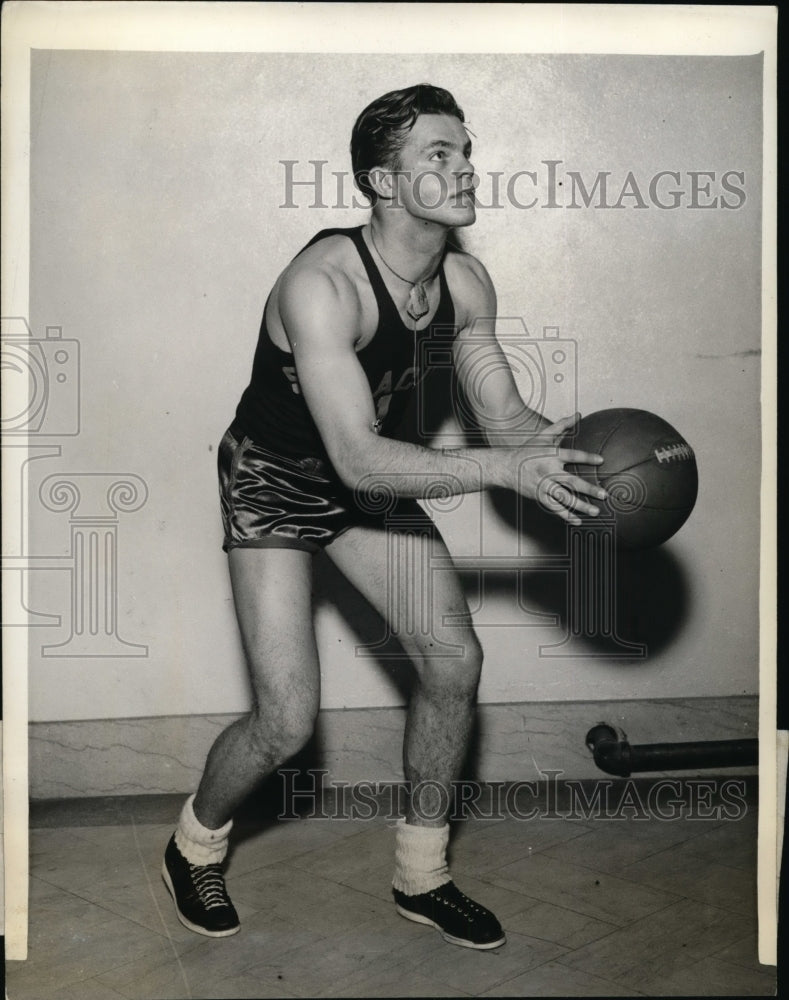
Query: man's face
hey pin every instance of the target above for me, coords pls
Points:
(434, 177)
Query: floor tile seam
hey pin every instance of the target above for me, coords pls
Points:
(591, 975)
(620, 872)
(115, 992)
(64, 983)
(585, 913)
(497, 982)
(304, 853)
(129, 996)
(473, 832)
(321, 937)
(368, 892)
(205, 983)
(324, 878)
(743, 965)
(750, 869)
(655, 883)
(311, 870)
(529, 852)
(652, 881)
(390, 963)
(232, 876)
(571, 948)
(655, 982)
(619, 928)
(648, 823)
(695, 895)
(688, 843)
(643, 920)
(490, 983)
(536, 901)
(626, 979)
(706, 825)
(591, 871)
(70, 892)
(397, 996)
(84, 828)
(61, 984)
(164, 933)
(696, 857)
(699, 828)
(734, 965)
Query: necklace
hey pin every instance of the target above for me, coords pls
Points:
(418, 303)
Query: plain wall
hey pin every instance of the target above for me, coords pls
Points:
(157, 229)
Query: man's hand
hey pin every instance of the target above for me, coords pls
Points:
(536, 470)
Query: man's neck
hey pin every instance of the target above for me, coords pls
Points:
(412, 247)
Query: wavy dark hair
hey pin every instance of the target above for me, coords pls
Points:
(381, 129)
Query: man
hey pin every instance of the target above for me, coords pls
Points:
(311, 444)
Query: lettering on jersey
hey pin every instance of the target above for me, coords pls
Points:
(668, 453)
(383, 394)
(290, 374)
(384, 386)
(383, 398)
(408, 380)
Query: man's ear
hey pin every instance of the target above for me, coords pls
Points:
(382, 181)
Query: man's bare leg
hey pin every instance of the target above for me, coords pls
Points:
(272, 591)
(427, 611)
(445, 653)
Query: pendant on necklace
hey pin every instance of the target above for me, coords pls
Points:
(418, 303)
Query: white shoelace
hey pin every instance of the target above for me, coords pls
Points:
(210, 885)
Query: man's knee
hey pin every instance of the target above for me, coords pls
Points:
(281, 734)
(457, 673)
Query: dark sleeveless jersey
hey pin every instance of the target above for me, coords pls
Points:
(272, 410)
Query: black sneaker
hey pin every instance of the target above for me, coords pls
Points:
(460, 920)
(201, 900)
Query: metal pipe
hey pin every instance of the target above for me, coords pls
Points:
(616, 756)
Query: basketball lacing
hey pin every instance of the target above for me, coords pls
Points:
(209, 884)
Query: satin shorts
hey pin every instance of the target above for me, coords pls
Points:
(269, 500)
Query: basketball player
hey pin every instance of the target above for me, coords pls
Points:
(312, 438)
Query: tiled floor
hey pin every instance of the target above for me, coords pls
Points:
(592, 906)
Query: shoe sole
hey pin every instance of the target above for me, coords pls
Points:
(450, 938)
(188, 923)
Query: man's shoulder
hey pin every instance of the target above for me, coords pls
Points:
(330, 247)
(326, 272)
(332, 257)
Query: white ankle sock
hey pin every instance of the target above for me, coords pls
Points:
(198, 844)
(420, 858)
